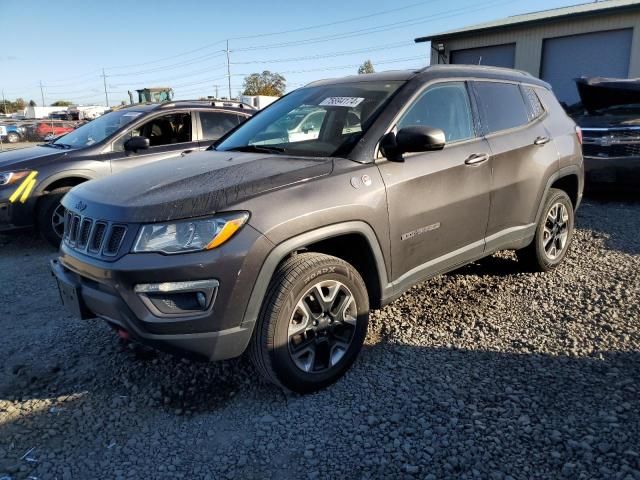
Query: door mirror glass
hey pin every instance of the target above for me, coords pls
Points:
(412, 139)
(136, 143)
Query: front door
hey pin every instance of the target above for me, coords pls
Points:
(438, 201)
(169, 135)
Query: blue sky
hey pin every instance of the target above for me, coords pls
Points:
(65, 44)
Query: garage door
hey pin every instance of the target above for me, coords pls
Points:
(604, 54)
(495, 56)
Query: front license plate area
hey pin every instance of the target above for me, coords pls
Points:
(70, 296)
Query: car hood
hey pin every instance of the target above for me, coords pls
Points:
(607, 121)
(28, 158)
(195, 185)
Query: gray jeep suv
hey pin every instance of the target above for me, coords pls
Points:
(279, 241)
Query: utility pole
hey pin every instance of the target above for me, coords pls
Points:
(4, 101)
(228, 69)
(104, 81)
(42, 93)
(216, 87)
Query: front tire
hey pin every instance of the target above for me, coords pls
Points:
(50, 216)
(312, 324)
(553, 234)
(13, 137)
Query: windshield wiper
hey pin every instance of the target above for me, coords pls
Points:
(256, 148)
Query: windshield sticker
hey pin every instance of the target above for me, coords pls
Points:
(349, 102)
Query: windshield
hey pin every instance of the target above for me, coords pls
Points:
(314, 121)
(98, 129)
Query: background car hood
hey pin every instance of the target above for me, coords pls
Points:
(195, 185)
(27, 158)
(607, 120)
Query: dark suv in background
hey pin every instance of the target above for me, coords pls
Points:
(34, 180)
(279, 244)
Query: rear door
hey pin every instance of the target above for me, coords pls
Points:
(522, 157)
(214, 124)
(169, 134)
(438, 201)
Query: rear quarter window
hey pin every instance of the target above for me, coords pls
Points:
(501, 106)
(534, 106)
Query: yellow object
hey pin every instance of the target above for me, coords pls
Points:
(226, 233)
(24, 189)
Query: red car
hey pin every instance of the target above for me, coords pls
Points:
(54, 128)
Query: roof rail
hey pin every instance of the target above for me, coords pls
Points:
(213, 103)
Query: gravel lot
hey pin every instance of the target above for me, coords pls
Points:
(482, 373)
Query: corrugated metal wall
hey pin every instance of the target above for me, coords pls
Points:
(529, 40)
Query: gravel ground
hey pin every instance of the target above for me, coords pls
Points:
(482, 373)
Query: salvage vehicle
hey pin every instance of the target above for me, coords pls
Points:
(281, 250)
(55, 128)
(610, 120)
(34, 180)
(15, 133)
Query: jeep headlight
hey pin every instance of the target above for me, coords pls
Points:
(189, 235)
(9, 178)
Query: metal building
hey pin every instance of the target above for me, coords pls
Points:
(593, 39)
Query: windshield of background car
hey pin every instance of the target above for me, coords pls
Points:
(314, 121)
(97, 130)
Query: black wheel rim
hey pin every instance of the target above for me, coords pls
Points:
(57, 220)
(555, 235)
(322, 326)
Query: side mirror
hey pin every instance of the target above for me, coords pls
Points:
(136, 143)
(411, 139)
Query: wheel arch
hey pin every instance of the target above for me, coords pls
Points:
(329, 240)
(564, 178)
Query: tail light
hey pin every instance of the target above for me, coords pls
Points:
(579, 134)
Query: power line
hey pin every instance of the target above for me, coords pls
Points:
(328, 55)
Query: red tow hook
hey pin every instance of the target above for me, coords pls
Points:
(123, 334)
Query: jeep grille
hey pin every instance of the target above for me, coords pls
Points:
(93, 237)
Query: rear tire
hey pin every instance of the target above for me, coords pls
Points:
(312, 324)
(50, 216)
(13, 137)
(553, 236)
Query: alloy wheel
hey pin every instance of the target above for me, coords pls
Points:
(322, 326)
(556, 231)
(57, 220)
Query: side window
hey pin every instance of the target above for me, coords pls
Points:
(216, 124)
(163, 130)
(502, 106)
(535, 108)
(445, 106)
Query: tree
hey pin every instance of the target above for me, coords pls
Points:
(32, 103)
(265, 83)
(61, 103)
(366, 67)
(20, 104)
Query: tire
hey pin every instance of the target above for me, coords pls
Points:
(557, 220)
(283, 337)
(13, 137)
(47, 207)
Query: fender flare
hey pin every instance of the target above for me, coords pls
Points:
(45, 182)
(563, 172)
(282, 250)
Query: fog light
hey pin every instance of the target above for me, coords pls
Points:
(202, 300)
(178, 298)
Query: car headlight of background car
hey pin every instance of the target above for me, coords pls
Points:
(189, 235)
(9, 178)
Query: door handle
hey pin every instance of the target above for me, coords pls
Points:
(185, 152)
(541, 140)
(476, 158)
